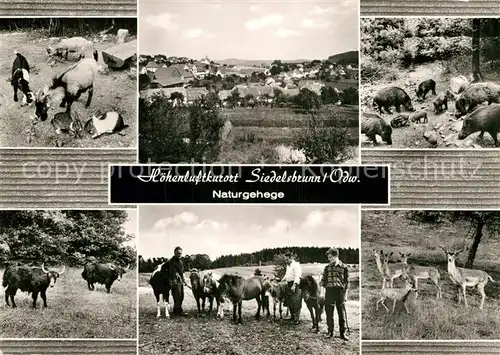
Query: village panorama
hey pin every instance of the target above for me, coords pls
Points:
(249, 111)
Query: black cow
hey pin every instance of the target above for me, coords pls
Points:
(21, 77)
(33, 280)
(104, 274)
(161, 287)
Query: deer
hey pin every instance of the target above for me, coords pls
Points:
(392, 270)
(464, 278)
(397, 294)
(378, 261)
(422, 272)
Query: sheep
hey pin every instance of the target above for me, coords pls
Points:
(21, 78)
(67, 45)
(76, 80)
(397, 294)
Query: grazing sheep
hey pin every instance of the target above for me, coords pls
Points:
(70, 45)
(76, 80)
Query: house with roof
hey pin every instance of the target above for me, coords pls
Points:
(151, 66)
(200, 70)
(314, 86)
(168, 77)
(184, 69)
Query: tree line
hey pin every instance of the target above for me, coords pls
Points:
(70, 26)
(268, 256)
(72, 238)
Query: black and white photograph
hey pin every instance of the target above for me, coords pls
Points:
(68, 274)
(248, 280)
(430, 275)
(249, 82)
(68, 82)
(429, 83)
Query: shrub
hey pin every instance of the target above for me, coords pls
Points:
(322, 144)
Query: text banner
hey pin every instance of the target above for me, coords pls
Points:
(262, 184)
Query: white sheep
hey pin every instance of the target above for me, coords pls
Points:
(75, 80)
(70, 45)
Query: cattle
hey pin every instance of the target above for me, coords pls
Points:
(313, 297)
(161, 287)
(239, 289)
(33, 280)
(211, 287)
(104, 274)
(202, 289)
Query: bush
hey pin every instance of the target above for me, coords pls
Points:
(322, 144)
(427, 216)
(162, 129)
(350, 96)
(165, 129)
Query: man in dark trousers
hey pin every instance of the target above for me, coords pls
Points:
(177, 282)
(335, 280)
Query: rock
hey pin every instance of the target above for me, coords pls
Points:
(122, 35)
(456, 126)
(432, 137)
(449, 138)
(468, 143)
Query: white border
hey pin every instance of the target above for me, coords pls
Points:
(251, 204)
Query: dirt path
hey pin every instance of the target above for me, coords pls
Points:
(113, 91)
(208, 335)
(444, 123)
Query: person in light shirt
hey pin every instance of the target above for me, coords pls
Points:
(292, 277)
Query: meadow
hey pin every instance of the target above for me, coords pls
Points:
(256, 132)
(207, 335)
(429, 318)
(74, 311)
(113, 91)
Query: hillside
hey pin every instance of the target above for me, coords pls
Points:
(256, 62)
(351, 57)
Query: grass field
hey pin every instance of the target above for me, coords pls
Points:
(412, 136)
(113, 91)
(256, 132)
(73, 311)
(207, 335)
(429, 319)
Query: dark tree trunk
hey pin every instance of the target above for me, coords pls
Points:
(477, 239)
(476, 36)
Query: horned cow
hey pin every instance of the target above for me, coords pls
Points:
(104, 274)
(33, 280)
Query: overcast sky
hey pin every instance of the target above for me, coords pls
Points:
(222, 230)
(130, 225)
(264, 30)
